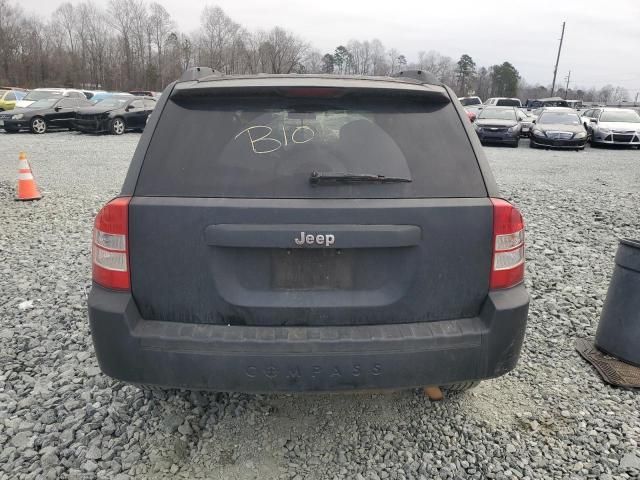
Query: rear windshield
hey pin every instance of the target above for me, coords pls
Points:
(470, 101)
(508, 102)
(268, 147)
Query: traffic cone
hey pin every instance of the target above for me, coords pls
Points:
(27, 188)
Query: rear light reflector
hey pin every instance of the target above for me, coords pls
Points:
(110, 245)
(507, 266)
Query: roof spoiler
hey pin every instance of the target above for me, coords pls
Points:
(421, 76)
(196, 73)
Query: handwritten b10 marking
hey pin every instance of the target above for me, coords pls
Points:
(267, 144)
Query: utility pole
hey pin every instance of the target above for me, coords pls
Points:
(635, 102)
(555, 70)
(566, 89)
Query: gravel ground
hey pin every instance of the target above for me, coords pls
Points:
(550, 418)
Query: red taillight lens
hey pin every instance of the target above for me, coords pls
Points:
(111, 246)
(507, 264)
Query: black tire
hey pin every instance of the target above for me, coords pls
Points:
(515, 145)
(456, 388)
(532, 145)
(38, 125)
(117, 126)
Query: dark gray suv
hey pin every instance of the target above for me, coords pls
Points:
(308, 233)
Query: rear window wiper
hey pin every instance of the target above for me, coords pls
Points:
(321, 178)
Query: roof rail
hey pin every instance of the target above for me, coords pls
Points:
(196, 73)
(421, 76)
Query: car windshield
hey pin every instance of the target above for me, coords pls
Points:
(560, 118)
(470, 101)
(112, 102)
(41, 94)
(45, 103)
(498, 114)
(508, 102)
(626, 116)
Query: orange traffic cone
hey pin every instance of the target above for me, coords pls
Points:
(27, 188)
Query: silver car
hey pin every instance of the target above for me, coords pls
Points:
(613, 126)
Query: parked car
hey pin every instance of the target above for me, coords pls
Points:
(144, 93)
(503, 102)
(92, 93)
(43, 115)
(275, 234)
(115, 115)
(9, 97)
(48, 93)
(558, 128)
(526, 120)
(546, 102)
(498, 125)
(102, 95)
(613, 126)
(468, 101)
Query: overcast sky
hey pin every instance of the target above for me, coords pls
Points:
(602, 38)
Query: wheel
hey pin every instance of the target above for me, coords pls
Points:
(515, 145)
(117, 126)
(455, 388)
(532, 145)
(38, 125)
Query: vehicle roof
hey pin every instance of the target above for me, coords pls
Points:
(55, 89)
(504, 98)
(308, 80)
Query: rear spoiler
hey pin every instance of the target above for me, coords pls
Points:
(203, 81)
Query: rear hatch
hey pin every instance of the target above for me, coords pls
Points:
(242, 214)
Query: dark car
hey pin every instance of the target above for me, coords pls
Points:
(545, 102)
(308, 233)
(498, 125)
(558, 128)
(115, 115)
(144, 93)
(43, 115)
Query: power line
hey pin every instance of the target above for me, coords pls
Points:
(555, 70)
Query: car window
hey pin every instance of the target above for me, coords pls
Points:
(44, 103)
(75, 95)
(149, 104)
(559, 118)
(268, 147)
(626, 116)
(42, 94)
(508, 102)
(137, 104)
(10, 97)
(67, 103)
(498, 114)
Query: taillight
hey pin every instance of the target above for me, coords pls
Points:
(507, 265)
(110, 245)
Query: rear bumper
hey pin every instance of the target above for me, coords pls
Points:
(295, 359)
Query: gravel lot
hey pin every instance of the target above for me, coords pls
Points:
(551, 418)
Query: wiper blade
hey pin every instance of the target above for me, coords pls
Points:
(318, 178)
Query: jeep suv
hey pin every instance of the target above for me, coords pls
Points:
(307, 233)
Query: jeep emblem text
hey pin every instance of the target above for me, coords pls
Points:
(311, 239)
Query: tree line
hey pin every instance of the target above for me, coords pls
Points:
(136, 44)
